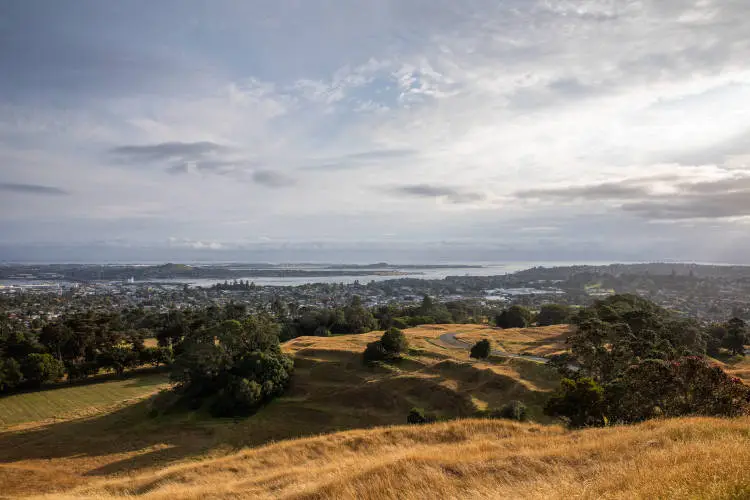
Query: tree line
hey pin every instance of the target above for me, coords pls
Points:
(630, 360)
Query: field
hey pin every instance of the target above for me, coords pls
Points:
(537, 341)
(105, 442)
(76, 401)
(682, 458)
(331, 391)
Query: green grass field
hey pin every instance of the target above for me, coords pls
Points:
(64, 402)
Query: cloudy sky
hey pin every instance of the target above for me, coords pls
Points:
(352, 130)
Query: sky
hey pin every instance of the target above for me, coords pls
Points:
(400, 130)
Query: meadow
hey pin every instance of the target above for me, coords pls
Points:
(338, 431)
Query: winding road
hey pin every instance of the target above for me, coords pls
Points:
(451, 340)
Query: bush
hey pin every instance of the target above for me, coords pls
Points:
(394, 341)
(10, 374)
(374, 352)
(579, 402)
(418, 416)
(388, 348)
(514, 410)
(514, 317)
(40, 368)
(553, 314)
(481, 350)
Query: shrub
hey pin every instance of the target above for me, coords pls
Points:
(394, 341)
(40, 368)
(514, 410)
(579, 402)
(374, 352)
(10, 374)
(481, 350)
(553, 314)
(418, 416)
(514, 317)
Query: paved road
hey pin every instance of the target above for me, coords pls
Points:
(451, 340)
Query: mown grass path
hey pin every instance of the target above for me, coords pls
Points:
(64, 402)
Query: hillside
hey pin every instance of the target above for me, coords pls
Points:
(683, 458)
(331, 391)
(119, 449)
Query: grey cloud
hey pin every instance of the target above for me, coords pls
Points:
(715, 199)
(454, 195)
(32, 189)
(204, 166)
(167, 151)
(627, 189)
(363, 159)
(272, 179)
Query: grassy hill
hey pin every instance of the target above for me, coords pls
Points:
(118, 449)
(76, 401)
(682, 458)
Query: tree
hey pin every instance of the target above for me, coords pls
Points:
(389, 348)
(481, 350)
(40, 368)
(514, 410)
(514, 317)
(736, 337)
(579, 402)
(232, 367)
(394, 341)
(553, 314)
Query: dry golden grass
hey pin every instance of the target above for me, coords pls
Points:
(331, 391)
(537, 341)
(684, 458)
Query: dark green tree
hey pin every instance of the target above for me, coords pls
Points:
(514, 317)
(481, 350)
(553, 314)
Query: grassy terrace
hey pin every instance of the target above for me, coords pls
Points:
(67, 402)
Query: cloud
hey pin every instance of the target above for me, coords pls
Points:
(627, 189)
(167, 151)
(720, 199)
(372, 158)
(661, 197)
(451, 194)
(272, 179)
(35, 189)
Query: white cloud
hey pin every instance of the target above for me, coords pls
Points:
(480, 101)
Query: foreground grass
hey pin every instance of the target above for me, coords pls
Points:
(67, 402)
(682, 458)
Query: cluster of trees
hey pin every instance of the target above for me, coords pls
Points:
(235, 286)
(517, 316)
(76, 346)
(631, 360)
(354, 318)
(231, 367)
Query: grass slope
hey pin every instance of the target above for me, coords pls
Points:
(331, 391)
(67, 402)
(682, 458)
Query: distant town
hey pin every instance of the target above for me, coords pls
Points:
(704, 292)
